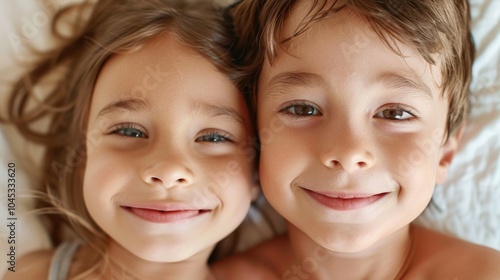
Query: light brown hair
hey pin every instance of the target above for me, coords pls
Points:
(432, 27)
(110, 27)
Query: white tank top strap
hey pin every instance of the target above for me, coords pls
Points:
(62, 259)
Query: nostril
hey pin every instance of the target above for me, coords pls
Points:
(362, 164)
(156, 179)
(346, 165)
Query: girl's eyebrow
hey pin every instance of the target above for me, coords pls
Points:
(131, 104)
(217, 110)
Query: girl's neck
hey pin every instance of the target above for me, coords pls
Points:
(387, 259)
(125, 265)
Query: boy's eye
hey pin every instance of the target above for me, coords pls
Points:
(213, 137)
(395, 114)
(128, 130)
(301, 110)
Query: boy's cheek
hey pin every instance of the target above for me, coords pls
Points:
(411, 158)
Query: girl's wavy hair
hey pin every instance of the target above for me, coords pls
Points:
(439, 28)
(101, 29)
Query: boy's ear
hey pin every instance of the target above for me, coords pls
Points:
(448, 151)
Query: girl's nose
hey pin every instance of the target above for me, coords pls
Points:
(168, 170)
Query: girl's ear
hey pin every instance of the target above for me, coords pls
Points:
(448, 151)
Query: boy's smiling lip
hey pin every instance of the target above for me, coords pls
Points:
(165, 212)
(344, 201)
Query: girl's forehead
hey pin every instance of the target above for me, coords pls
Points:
(153, 65)
(163, 73)
(162, 48)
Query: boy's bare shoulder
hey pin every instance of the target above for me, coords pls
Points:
(265, 261)
(31, 265)
(445, 257)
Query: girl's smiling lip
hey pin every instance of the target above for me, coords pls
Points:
(164, 213)
(344, 201)
(158, 216)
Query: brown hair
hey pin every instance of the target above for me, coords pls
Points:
(110, 27)
(432, 27)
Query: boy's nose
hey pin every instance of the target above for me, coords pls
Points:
(167, 171)
(347, 151)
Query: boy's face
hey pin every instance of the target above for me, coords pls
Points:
(352, 133)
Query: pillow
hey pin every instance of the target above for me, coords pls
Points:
(467, 204)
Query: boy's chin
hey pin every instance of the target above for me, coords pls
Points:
(343, 246)
(346, 242)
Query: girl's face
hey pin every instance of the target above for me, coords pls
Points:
(169, 170)
(351, 133)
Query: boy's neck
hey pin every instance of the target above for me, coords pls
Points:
(387, 259)
(125, 265)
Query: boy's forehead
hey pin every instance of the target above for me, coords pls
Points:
(351, 23)
(346, 38)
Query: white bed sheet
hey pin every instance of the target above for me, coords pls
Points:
(467, 205)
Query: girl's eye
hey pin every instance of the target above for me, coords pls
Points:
(397, 114)
(214, 137)
(128, 130)
(300, 110)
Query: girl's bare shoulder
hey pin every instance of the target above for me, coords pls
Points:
(442, 256)
(31, 265)
(261, 262)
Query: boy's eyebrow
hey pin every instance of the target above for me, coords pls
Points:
(215, 110)
(395, 80)
(132, 104)
(283, 81)
(280, 83)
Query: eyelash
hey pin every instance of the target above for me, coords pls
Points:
(225, 138)
(398, 107)
(296, 103)
(120, 129)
